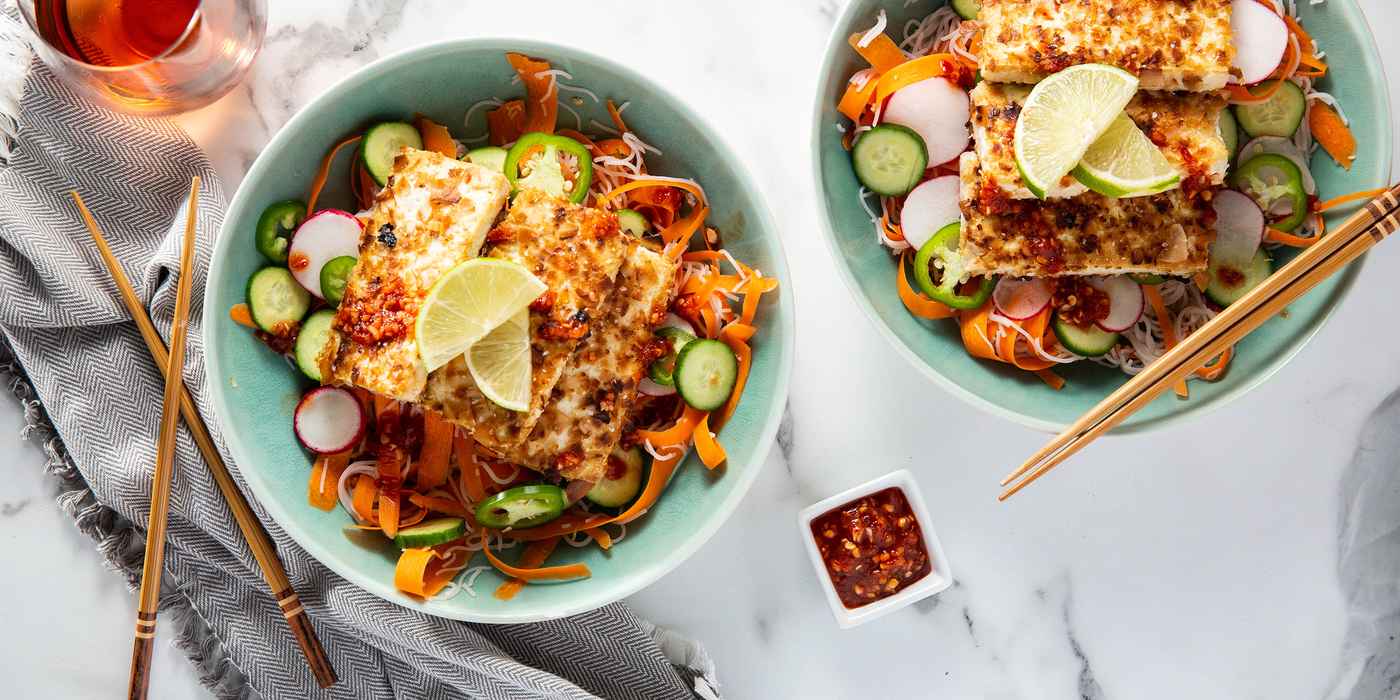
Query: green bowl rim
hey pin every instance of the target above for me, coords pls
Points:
(385, 589)
(1370, 56)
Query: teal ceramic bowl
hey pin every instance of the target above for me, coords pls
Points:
(1355, 77)
(255, 391)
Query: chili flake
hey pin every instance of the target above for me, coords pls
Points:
(873, 547)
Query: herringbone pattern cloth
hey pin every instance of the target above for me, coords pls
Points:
(67, 326)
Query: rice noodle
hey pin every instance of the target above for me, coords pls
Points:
(874, 31)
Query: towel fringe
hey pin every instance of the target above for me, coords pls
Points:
(14, 67)
(689, 654)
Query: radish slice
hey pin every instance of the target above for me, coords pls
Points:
(1261, 39)
(931, 206)
(1020, 299)
(329, 420)
(325, 235)
(936, 110)
(675, 321)
(650, 388)
(1239, 227)
(1281, 146)
(1126, 302)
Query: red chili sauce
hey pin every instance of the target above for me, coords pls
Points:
(872, 546)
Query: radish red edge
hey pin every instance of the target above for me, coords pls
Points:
(1126, 302)
(1261, 40)
(329, 420)
(931, 206)
(675, 321)
(1020, 299)
(1239, 227)
(650, 388)
(324, 236)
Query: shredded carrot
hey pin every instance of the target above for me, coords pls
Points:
(361, 183)
(433, 460)
(541, 97)
(1339, 201)
(600, 536)
(1211, 372)
(462, 447)
(1287, 239)
(756, 287)
(567, 523)
(918, 304)
(442, 505)
(506, 124)
(881, 52)
(320, 180)
(424, 571)
(435, 137)
(736, 336)
(1036, 328)
(389, 497)
(322, 491)
(366, 492)
(1334, 135)
(1164, 319)
(677, 433)
(1051, 378)
(661, 470)
(616, 117)
(412, 569)
(978, 342)
(939, 65)
(634, 184)
(241, 315)
(527, 569)
(856, 98)
(974, 332)
(709, 449)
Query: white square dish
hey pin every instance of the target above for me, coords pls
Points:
(938, 578)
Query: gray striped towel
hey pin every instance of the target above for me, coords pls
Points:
(73, 349)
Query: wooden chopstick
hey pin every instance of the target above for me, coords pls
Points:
(1234, 334)
(1177, 361)
(253, 532)
(165, 458)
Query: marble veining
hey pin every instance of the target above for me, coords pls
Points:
(1254, 554)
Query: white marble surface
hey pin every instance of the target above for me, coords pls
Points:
(1201, 564)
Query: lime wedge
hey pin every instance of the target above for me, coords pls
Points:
(1125, 163)
(468, 302)
(500, 363)
(1063, 116)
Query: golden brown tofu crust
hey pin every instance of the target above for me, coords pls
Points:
(591, 406)
(576, 251)
(1088, 234)
(1168, 44)
(433, 213)
(1185, 126)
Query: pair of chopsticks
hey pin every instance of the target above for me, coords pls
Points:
(1321, 260)
(171, 364)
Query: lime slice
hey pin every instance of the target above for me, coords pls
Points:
(1125, 163)
(1063, 116)
(500, 363)
(467, 303)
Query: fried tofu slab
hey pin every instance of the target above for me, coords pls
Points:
(591, 405)
(1168, 44)
(433, 213)
(1185, 126)
(1088, 234)
(576, 251)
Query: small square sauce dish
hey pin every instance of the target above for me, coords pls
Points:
(874, 548)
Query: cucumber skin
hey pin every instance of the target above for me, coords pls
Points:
(1065, 332)
(270, 325)
(367, 142)
(1255, 271)
(307, 348)
(864, 168)
(631, 221)
(1246, 114)
(1230, 133)
(966, 9)
(695, 397)
(433, 532)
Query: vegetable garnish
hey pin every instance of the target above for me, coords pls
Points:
(406, 470)
(1102, 124)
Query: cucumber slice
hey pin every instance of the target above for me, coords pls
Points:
(1147, 278)
(967, 9)
(1230, 133)
(705, 374)
(1230, 281)
(334, 275)
(661, 368)
(489, 157)
(1091, 342)
(275, 298)
(623, 480)
(631, 221)
(311, 339)
(1276, 184)
(1280, 116)
(380, 146)
(890, 159)
(431, 532)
